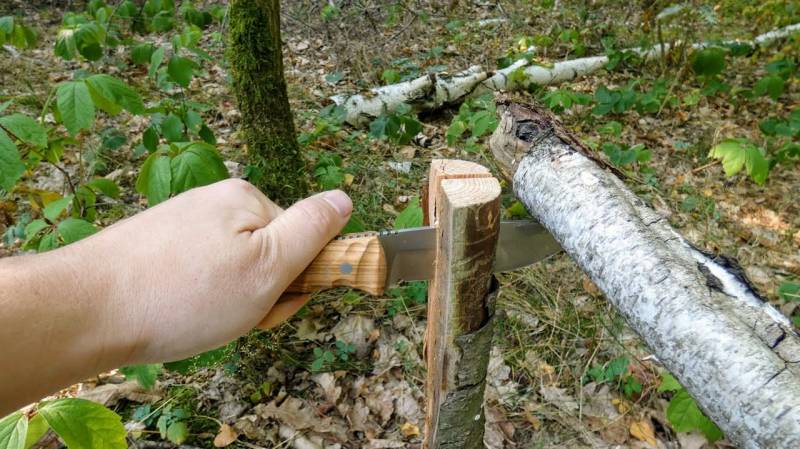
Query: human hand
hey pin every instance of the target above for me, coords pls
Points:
(205, 267)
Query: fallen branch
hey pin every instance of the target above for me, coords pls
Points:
(737, 355)
(433, 91)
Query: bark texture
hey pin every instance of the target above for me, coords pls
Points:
(736, 354)
(435, 90)
(460, 306)
(254, 51)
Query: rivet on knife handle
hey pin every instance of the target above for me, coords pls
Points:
(355, 261)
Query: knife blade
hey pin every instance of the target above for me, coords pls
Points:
(372, 261)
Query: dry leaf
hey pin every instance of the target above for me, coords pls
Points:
(348, 179)
(409, 430)
(327, 382)
(765, 218)
(533, 420)
(307, 329)
(295, 413)
(225, 436)
(356, 330)
(643, 431)
(130, 390)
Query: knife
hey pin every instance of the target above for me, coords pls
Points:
(371, 261)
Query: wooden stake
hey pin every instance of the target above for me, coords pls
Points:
(464, 204)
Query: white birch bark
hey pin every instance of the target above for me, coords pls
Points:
(736, 355)
(433, 91)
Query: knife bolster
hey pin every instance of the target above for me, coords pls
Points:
(353, 260)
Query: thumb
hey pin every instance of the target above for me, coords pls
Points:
(296, 236)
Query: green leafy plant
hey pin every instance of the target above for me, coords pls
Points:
(613, 101)
(177, 167)
(559, 100)
(400, 126)
(683, 413)
(170, 421)
(14, 32)
(778, 74)
(410, 217)
(476, 116)
(328, 171)
(615, 372)
(80, 423)
(737, 154)
(325, 359)
(621, 155)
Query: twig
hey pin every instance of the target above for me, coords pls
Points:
(703, 167)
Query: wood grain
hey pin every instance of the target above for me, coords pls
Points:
(464, 202)
(355, 260)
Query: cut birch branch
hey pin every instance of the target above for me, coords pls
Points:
(433, 91)
(465, 200)
(736, 354)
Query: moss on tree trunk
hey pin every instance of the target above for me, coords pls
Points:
(254, 52)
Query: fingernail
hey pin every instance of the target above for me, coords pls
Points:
(340, 201)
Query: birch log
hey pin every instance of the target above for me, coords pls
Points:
(735, 353)
(433, 91)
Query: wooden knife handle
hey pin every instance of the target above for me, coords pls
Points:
(353, 260)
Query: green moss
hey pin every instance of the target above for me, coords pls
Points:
(254, 52)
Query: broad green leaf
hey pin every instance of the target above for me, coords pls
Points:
(177, 432)
(789, 291)
(708, 61)
(141, 54)
(7, 25)
(668, 383)
(146, 375)
(84, 424)
(11, 166)
(155, 178)
(685, 416)
(54, 209)
(772, 85)
(150, 139)
(731, 153)
(354, 224)
(683, 413)
(757, 166)
(48, 241)
(75, 106)
(105, 186)
(66, 47)
(4, 105)
(482, 122)
(73, 229)
(13, 429)
(37, 426)
(35, 227)
(172, 128)
(197, 165)
(155, 61)
(180, 70)
(25, 129)
(329, 176)
(410, 217)
(111, 95)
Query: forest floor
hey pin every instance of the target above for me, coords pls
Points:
(556, 331)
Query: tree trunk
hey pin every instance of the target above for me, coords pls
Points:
(254, 52)
(735, 353)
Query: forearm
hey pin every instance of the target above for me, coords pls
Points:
(58, 325)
